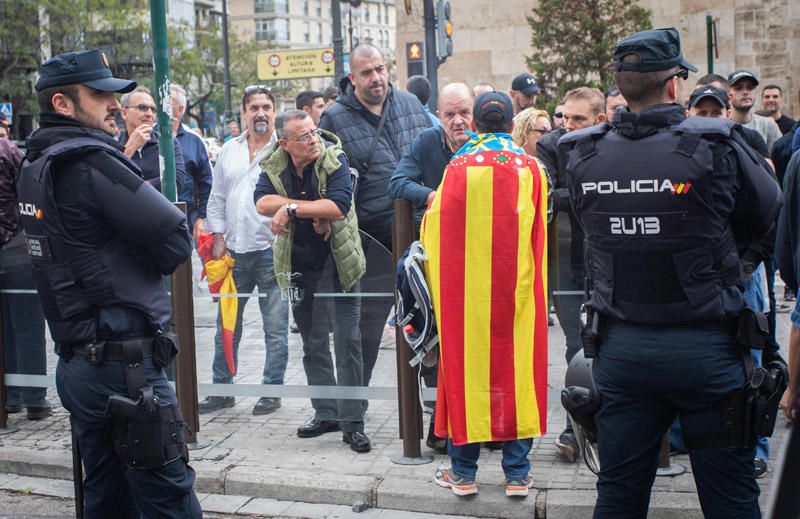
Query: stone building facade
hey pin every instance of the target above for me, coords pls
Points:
(490, 40)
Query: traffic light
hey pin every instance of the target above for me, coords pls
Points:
(444, 31)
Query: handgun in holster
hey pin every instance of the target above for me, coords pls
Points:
(591, 335)
(147, 432)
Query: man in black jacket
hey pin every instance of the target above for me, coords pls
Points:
(376, 125)
(100, 240)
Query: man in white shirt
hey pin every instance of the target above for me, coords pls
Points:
(232, 218)
(742, 95)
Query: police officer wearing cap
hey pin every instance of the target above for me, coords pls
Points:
(100, 240)
(663, 200)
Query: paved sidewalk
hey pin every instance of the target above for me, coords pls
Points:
(261, 456)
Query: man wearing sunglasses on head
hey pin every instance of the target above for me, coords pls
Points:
(240, 231)
(140, 138)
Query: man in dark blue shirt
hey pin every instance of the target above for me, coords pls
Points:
(140, 138)
(197, 183)
(419, 172)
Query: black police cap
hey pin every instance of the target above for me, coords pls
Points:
(85, 67)
(658, 49)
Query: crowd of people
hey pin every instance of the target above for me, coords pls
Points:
(297, 199)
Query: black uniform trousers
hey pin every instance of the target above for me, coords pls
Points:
(111, 490)
(647, 376)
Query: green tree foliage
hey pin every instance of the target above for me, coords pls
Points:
(574, 41)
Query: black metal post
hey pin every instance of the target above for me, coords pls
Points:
(226, 67)
(431, 60)
(338, 41)
(407, 383)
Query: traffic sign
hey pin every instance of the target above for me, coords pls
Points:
(295, 64)
(7, 109)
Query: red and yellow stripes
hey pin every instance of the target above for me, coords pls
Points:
(485, 239)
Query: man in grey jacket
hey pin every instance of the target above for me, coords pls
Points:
(376, 125)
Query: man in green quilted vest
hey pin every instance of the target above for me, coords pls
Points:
(305, 186)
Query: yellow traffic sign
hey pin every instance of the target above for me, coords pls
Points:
(295, 64)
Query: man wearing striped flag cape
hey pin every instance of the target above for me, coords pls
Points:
(485, 236)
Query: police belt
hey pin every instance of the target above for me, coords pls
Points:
(98, 352)
(726, 325)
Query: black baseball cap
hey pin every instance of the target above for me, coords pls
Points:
(709, 91)
(742, 74)
(493, 109)
(526, 84)
(85, 67)
(658, 49)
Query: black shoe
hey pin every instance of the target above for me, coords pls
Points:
(436, 444)
(38, 413)
(314, 428)
(13, 409)
(568, 445)
(358, 441)
(214, 403)
(493, 446)
(266, 405)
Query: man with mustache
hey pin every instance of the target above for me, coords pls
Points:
(100, 240)
(306, 188)
(140, 138)
(243, 233)
(376, 125)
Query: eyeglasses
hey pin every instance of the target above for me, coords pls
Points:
(256, 88)
(306, 137)
(143, 107)
(558, 115)
(682, 73)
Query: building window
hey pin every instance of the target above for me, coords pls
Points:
(366, 13)
(271, 30)
(271, 6)
(319, 32)
(307, 32)
(319, 8)
(367, 36)
(305, 7)
(386, 14)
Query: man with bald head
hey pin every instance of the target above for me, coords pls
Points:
(419, 172)
(376, 125)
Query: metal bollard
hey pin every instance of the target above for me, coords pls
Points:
(186, 361)
(665, 465)
(407, 383)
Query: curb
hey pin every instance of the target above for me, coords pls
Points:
(391, 492)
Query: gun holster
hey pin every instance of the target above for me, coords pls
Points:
(591, 334)
(147, 433)
(165, 349)
(752, 330)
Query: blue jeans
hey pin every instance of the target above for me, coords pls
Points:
(516, 465)
(23, 327)
(254, 269)
(110, 488)
(647, 376)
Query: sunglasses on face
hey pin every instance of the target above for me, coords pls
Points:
(143, 107)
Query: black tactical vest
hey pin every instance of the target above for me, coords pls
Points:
(76, 279)
(658, 252)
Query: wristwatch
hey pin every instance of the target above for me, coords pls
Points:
(292, 210)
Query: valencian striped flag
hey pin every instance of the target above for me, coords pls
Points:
(485, 237)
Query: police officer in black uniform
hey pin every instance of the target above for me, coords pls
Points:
(664, 200)
(100, 239)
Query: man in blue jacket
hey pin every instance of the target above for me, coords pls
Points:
(197, 183)
(419, 172)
